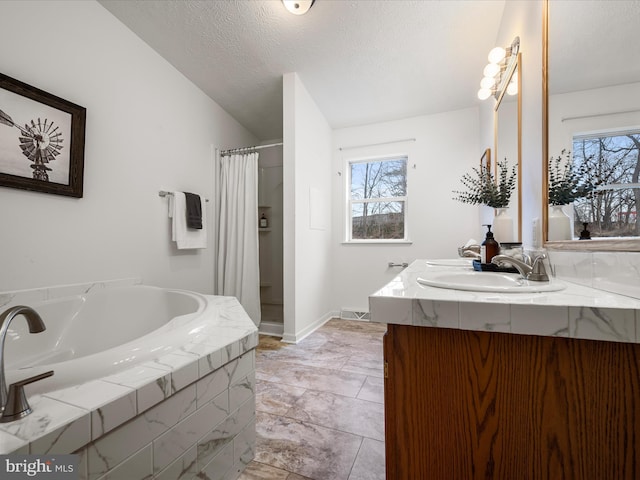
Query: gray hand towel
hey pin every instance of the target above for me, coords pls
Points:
(194, 211)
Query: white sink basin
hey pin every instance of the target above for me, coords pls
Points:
(451, 262)
(488, 282)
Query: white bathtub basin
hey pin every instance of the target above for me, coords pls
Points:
(488, 282)
(93, 335)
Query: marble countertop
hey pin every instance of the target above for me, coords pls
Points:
(577, 311)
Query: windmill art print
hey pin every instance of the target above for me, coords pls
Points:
(41, 140)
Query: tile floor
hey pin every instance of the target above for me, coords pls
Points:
(320, 405)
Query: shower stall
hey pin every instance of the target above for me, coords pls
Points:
(240, 277)
(270, 232)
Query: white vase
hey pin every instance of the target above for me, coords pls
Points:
(559, 224)
(503, 226)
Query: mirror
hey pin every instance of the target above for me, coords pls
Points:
(591, 89)
(507, 140)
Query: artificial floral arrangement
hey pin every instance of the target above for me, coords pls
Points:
(566, 183)
(482, 188)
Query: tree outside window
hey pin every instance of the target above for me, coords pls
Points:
(611, 159)
(378, 199)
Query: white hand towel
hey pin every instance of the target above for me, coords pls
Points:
(186, 237)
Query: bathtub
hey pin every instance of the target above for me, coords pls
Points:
(93, 335)
(148, 382)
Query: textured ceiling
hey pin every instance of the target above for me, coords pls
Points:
(593, 44)
(362, 61)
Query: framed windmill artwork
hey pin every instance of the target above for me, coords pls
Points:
(41, 140)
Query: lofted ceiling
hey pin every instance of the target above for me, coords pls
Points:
(593, 44)
(362, 61)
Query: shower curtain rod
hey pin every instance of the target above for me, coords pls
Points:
(246, 149)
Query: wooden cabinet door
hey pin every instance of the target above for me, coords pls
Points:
(478, 405)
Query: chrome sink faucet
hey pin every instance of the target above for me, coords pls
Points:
(13, 403)
(530, 270)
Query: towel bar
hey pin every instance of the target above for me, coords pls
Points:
(403, 264)
(164, 193)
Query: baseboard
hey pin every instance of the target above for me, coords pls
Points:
(274, 329)
(295, 338)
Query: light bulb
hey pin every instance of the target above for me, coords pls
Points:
(487, 82)
(512, 88)
(497, 54)
(491, 70)
(484, 93)
(298, 7)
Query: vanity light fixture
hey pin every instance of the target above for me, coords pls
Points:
(502, 61)
(298, 7)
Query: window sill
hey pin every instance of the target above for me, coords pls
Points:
(619, 244)
(378, 242)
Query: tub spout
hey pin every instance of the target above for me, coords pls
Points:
(36, 325)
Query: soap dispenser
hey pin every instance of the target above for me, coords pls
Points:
(489, 248)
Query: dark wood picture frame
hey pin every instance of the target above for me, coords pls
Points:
(41, 140)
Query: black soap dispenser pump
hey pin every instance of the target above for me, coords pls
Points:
(489, 248)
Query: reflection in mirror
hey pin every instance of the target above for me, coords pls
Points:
(593, 89)
(485, 160)
(507, 145)
(502, 81)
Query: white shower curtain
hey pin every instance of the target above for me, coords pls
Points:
(238, 258)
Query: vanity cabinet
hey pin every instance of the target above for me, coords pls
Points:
(462, 404)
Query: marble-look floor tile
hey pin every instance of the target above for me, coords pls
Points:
(305, 449)
(356, 326)
(350, 415)
(312, 357)
(268, 343)
(365, 364)
(276, 398)
(372, 390)
(260, 471)
(355, 344)
(341, 358)
(369, 463)
(314, 378)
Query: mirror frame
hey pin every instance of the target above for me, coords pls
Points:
(545, 122)
(631, 244)
(518, 68)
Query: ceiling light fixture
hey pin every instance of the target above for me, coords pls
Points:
(298, 7)
(502, 62)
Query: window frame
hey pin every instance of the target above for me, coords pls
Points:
(349, 201)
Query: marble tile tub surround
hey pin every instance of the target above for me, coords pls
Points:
(192, 410)
(615, 272)
(579, 311)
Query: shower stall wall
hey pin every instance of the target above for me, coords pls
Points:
(270, 212)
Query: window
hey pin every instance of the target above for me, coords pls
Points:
(609, 161)
(378, 199)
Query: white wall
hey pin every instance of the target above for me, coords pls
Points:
(599, 108)
(446, 148)
(148, 129)
(308, 261)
